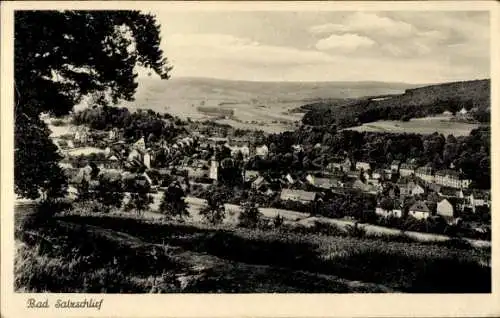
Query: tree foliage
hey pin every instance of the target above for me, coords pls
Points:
(173, 202)
(63, 56)
(215, 212)
(250, 215)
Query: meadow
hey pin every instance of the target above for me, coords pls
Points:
(130, 255)
(424, 126)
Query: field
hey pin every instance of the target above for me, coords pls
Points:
(427, 125)
(100, 253)
(256, 105)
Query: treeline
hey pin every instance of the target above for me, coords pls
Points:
(470, 153)
(421, 102)
(133, 124)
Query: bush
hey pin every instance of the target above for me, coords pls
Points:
(355, 230)
(249, 216)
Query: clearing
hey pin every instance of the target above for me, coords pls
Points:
(424, 126)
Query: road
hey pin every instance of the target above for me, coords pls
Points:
(195, 204)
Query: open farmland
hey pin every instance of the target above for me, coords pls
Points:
(256, 105)
(426, 125)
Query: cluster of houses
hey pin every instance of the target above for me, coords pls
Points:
(442, 192)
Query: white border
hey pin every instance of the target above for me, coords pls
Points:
(270, 305)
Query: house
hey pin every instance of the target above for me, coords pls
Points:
(361, 165)
(419, 210)
(377, 174)
(448, 192)
(82, 135)
(143, 157)
(395, 211)
(451, 178)
(340, 164)
(326, 183)
(395, 166)
(297, 148)
(425, 173)
(365, 187)
(445, 209)
(310, 179)
(407, 169)
(214, 170)
(259, 183)
(244, 150)
(251, 175)
(298, 195)
(447, 113)
(113, 134)
(478, 198)
(262, 151)
(434, 187)
(417, 190)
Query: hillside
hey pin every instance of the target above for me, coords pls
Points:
(266, 104)
(414, 102)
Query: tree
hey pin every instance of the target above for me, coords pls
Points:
(278, 221)
(139, 201)
(61, 57)
(173, 203)
(214, 212)
(109, 193)
(250, 215)
(387, 204)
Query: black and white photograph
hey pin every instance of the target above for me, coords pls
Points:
(167, 151)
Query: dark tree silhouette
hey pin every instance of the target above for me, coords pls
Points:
(62, 56)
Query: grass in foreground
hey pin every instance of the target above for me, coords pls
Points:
(127, 255)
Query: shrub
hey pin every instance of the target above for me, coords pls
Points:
(249, 216)
(355, 230)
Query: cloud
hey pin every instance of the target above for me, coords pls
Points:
(367, 22)
(419, 47)
(345, 42)
(195, 47)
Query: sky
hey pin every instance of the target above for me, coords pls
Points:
(390, 46)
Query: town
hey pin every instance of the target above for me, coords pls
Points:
(429, 200)
(227, 151)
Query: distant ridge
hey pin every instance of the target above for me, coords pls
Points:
(414, 102)
(253, 82)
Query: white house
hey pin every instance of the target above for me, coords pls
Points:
(214, 169)
(445, 209)
(425, 173)
(406, 169)
(262, 151)
(363, 165)
(420, 210)
(451, 178)
(417, 190)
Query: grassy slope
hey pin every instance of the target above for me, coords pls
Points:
(126, 255)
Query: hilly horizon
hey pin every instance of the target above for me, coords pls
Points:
(252, 102)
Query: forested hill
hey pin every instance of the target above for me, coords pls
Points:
(415, 102)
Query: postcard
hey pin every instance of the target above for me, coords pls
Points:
(249, 159)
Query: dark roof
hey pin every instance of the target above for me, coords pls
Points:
(448, 191)
(480, 195)
(325, 182)
(407, 166)
(420, 206)
(448, 172)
